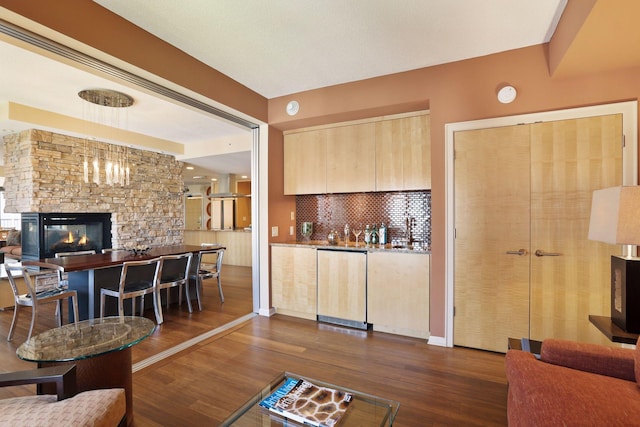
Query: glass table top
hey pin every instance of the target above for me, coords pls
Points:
(88, 338)
(364, 409)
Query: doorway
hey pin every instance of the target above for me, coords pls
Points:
(521, 188)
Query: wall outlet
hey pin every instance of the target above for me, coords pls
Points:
(291, 231)
(293, 216)
(274, 231)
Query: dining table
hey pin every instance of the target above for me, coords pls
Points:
(87, 274)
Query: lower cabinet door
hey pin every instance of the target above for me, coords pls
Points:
(293, 281)
(398, 293)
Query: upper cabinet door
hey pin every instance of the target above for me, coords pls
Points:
(305, 161)
(351, 158)
(416, 151)
(403, 154)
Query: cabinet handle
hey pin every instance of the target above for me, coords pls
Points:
(520, 252)
(540, 252)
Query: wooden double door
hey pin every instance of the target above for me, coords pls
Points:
(523, 264)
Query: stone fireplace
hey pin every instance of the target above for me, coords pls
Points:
(44, 174)
(45, 234)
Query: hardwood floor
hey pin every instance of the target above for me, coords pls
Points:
(203, 384)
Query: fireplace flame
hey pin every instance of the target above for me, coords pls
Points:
(83, 240)
(69, 238)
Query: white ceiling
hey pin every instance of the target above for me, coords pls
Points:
(280, 47)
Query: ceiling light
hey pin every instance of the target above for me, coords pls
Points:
(292, 108)
(190, 168)
(199, 176)
(106, 98)
(507, 94)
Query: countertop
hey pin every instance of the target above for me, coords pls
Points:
(323, 244)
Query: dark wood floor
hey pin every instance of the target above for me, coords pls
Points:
(202, 385)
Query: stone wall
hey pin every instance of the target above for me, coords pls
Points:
(44, 173)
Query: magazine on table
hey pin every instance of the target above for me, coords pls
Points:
(307, 403)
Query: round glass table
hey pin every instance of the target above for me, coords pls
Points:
(100, 349)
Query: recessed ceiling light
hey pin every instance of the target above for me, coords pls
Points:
(244, 177)
(214, 179)
(190, 168)
(199, 177)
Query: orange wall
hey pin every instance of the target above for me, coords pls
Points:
(455, 92)
(280, 206)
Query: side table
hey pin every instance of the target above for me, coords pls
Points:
(100, 349)
(525, 344)
(612, 331)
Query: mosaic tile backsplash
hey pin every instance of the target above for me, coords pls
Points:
(333, 211)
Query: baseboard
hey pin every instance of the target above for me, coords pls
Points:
(267, 312)
(439, 341)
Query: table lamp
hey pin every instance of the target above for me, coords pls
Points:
(615, 219)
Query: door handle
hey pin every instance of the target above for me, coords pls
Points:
(540, 252)
(520, 252)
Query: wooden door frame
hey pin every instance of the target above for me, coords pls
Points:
(629, 111)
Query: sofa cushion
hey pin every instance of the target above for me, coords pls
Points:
(545, 394)
(91, 408)
(598, 359)
(13, 238)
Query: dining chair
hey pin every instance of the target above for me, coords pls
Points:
(198, 273)
(137, 279)
(173, 271)
(62, 277)
(35, 299)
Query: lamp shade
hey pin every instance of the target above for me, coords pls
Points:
(615, 216)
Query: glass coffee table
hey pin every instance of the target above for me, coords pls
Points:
(100, 349)
(364, 410)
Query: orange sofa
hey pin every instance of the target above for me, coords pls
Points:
(13, 244)
(573, 384)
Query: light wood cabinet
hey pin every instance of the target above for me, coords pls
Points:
(342, 285)
(351, 158)
(305, 162)
(398, 293)
(403, 153)
(384, 154)
(293, 281)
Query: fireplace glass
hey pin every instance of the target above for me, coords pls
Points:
(44, 235)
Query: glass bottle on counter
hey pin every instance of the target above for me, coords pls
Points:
(382, 234)
(346, 234)
(374, 235)
(367, 234)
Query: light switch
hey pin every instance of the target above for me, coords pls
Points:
(293, 216)
(291, 230)
(274, 231)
